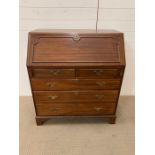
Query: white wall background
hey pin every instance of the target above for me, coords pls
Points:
(77, 14)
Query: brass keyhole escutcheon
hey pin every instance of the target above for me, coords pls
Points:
(76, 37)
(98, 71)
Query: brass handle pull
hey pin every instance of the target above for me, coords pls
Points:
(100, 83)
(53, 97)
(51, 84)
(55, 72)
(55, 109)
(99, 97)
(98, 71)
(98, 109)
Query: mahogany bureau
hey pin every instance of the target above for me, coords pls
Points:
(75, 73)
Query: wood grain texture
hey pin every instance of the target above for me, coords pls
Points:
(53, 73)
(47, 97)
(74, 84)
(75, 109)
(86, 49)
(75, 73)
(99, 73)
(106, 48)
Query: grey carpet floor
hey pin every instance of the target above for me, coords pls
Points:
(77, 136)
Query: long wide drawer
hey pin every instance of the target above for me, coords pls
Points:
(47, 97)
(74, 84)
(75, 109)
(53, 73)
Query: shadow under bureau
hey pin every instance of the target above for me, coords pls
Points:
(75, 73)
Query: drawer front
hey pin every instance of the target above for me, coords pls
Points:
(74, 84)
(53, 73)
(75, 109)
(99, 73)
(43, 97)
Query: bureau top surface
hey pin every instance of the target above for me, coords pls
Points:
(75, 47)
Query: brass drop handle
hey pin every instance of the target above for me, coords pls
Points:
(55, 109)
(98, 109)
(53, 97)
(55, 72)
(98, 71)
(99, 97)
(101, 83)
(51, 84)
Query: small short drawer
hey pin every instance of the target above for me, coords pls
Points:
(49, 97)
(67, 109)
(53, 73)
(74, 84)
(99, 73)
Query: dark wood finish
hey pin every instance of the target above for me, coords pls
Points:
(99, 73)
(75, 109)
(35, 36)
(53, 73)
(112, 120)
(75, 73)
(74, 84)
(67, 49)
(42, 119)
(47, 97)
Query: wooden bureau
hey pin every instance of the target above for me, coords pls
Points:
(75, 73)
